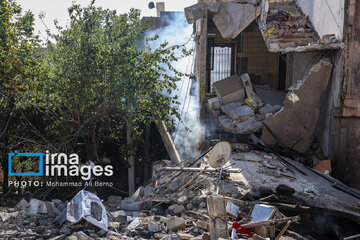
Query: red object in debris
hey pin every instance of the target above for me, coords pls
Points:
(242, 230)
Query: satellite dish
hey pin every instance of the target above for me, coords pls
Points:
(151, 5)
(220, 154)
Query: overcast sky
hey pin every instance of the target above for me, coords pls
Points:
(57, 9)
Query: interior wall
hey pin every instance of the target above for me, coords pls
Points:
(299, 65)
(254, 58)
(327, 16)
(331, 101)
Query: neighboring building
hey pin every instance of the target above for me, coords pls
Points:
(301, 55)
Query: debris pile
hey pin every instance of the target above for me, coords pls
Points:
(289, 28)
(237, 108)
(207, 198)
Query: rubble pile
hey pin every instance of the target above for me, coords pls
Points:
(191, 200)
(289, 28)
(235, 190)
(237, 108)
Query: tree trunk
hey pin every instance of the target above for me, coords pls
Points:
(91, 145)
(5, 167)
(147, 152)
(131, 159)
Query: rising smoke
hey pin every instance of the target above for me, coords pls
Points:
(176, 32)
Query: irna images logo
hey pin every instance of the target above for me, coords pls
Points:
(54, 164)
(35, 164)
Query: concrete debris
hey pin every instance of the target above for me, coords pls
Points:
(238, 111)
(195, 12)
(154, 227)
(232, 18)
(119, 216)
(235, 114)
(286, 28)
(214, 103)
(250, 201)
(139, 193)
(182, 200)
(176, 209)
(22, 205)
(134, 224)
(6, 215)
(232, 210)
(300, 112)
(229, 89)
(253, 99)
(176, 223)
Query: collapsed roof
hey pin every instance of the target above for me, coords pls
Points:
(284, 27)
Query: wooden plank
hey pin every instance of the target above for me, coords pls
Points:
(169, 144)
(193, 169)
(271, 222)
(217, 214)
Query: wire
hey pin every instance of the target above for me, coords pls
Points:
(186, 95)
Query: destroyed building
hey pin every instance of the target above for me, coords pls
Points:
(294, 61)
(271, 74)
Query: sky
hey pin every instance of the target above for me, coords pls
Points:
(57, 9)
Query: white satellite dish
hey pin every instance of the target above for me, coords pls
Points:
(220, 154)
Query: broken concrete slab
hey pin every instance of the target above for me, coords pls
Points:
(201, 224)
(175, 223)
(134, 224)
(119, 216)
(138, 193)
(249, 126)
(36, 206)
(154, 227)
(182, 200)
(4, 216)
(229, 89)
(300, 112)
(232, 210)
(267, 108)
(233, 18)
(256, 101)
(195, 12)
(237, 111)
(176, 209)
(214, 103)
(23, 205)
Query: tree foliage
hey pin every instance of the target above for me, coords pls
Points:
(20, 71)
(103, 73)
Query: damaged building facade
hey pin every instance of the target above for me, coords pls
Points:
(284, 70)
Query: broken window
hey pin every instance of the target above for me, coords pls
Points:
(219, 62)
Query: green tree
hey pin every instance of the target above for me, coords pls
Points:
(105, 76)
(20, 68)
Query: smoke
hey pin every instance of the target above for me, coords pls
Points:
(177, 31)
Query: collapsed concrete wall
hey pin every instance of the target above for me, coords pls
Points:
(327, 16)
(331, 101)
(295, 124)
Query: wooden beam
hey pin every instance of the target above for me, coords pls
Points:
(193, 169)
(169, 144)
(217, 214)
(271, 222)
